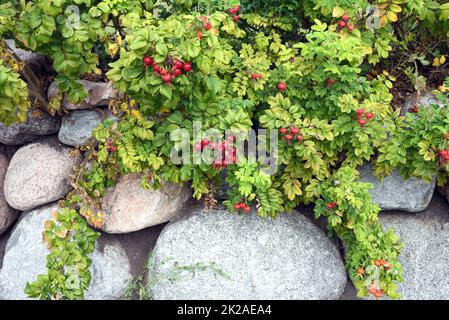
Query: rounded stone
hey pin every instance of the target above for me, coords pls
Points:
(219, 255)
(39, 173)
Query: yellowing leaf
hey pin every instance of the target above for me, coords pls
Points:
(383, 21)
(337, 12)
(395, 8)
(392, 16)
(136, 114)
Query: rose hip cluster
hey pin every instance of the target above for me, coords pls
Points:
(344, 23)
(242, 206)
(235, 12)
(363, 117)
(206, 26)
(291, 134)
(228, 151)
(414, 109)
(170, 72)
(373, 288)
(110, 145)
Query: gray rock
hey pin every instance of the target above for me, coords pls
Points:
(425, 99)
(99, 94)
(24, 55)
(39, 173)
(77, 127)
(149, 207)
(426, 251)
(395, 193)
(219, 255)
(7, 214)
(39, 123)
(26, 254)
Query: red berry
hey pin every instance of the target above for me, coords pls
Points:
(383, 262)
(330, 82)
(300, 137)
(237, 206)
(331, 205)
(379, 294)
(187, 67)
(350, 28)
(205, 143)
(178, 72)
(236, 18)
(345, 18)
(282, 86)
(360, 111)
(156, 68)
(114, 149)
(207, 26)
(148, 61)
(342, 24)
(247, 209)
(179, 64)
(199, 34)
(294, 130)
(443, 153)
(166, 78)
(369, 115)
(373, 290)
(446, 157)
(288, 137)
(255, 76)
(163, 72)
(237, 8)
(362, 122)
(361, 271)
(283, 130)
(232, 11)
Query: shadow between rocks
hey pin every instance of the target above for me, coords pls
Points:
(138, 245)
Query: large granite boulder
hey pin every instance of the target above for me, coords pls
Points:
(395, 193)
(220, 255)
(25, 259)
(77, 127)
(39, 173)
(39, 123)
(129, 207)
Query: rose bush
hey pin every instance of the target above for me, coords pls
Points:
(313, 71)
